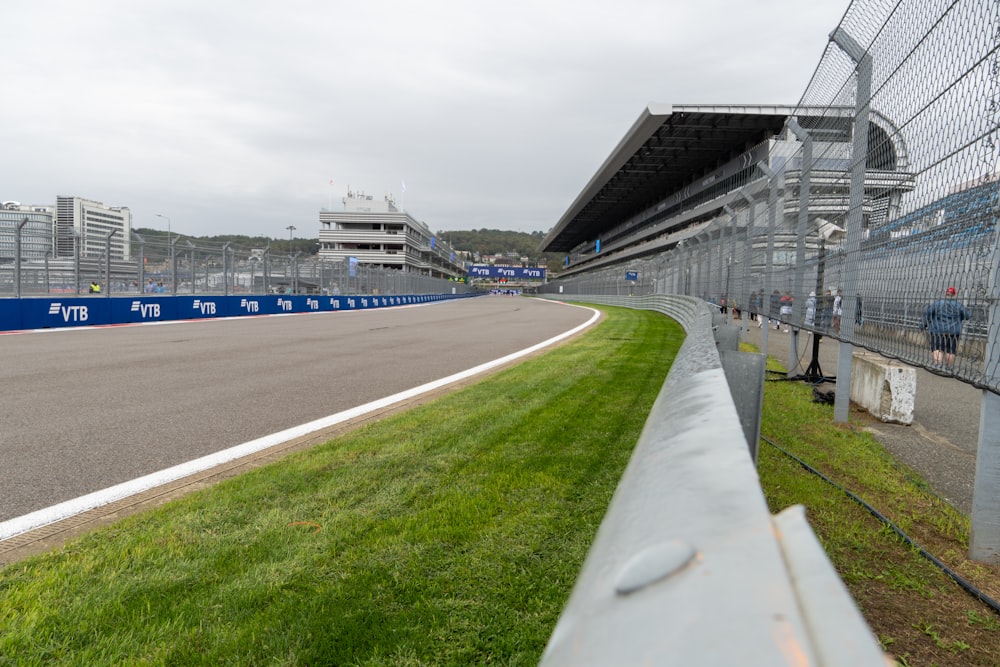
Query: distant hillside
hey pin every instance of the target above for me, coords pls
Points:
(158, 237)
(500, 242)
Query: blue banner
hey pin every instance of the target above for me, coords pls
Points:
(69, 312)
(10, 314)
(44, 313)
(199, 307)
(509, 272)
(143, 309)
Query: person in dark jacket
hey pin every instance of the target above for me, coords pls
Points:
(943, 321)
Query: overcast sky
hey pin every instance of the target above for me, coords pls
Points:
(234, 116)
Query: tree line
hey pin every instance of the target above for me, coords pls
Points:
(477, 241)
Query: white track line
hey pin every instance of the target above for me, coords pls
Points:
(69, 508)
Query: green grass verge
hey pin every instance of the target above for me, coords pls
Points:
(448, 535)
(916, 612)
(452, 534)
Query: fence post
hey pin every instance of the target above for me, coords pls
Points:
(855, 219)
(748, 260)
(17, 256)
(107, 264)
(267, 268)
(705, 267)
(728, 289)
(984, 538)
(76, 262)
(225, 272)
(140, 268)
(801, 229)
(194, 265)
(173, 265)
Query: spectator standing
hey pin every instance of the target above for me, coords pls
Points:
(838, 310)
(786, 309)
(775, 308)
(811, 309)
(943, 321)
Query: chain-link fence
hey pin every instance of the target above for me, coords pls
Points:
(873, 218)
(186, 266)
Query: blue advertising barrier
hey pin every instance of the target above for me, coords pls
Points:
(45, 313)
(200, 307)
(65, 312)
(10, 314)
(143, 309)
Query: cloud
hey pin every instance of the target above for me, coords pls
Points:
(233, 117)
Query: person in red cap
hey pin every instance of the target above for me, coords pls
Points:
(943, 321)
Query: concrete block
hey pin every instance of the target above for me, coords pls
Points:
(884, 388)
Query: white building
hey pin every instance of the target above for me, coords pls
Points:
(90, 223)
(376, 232)
(36, 233)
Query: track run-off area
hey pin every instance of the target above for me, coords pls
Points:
(89, 416)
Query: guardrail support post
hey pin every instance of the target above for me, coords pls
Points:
(745, 376)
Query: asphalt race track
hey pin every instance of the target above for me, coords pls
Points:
(85, 409)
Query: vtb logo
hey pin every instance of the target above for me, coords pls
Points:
(146, 309)
(205, 307)
(69, 313)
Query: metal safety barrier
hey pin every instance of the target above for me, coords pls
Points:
(688, 566)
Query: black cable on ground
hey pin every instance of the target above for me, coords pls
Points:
(954, 576)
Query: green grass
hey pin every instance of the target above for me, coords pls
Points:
(918, 614)
(452, 534)
(448, 535)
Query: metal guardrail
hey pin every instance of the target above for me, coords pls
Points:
(688, 566)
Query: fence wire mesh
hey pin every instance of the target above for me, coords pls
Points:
(874, 221)
(189, 266)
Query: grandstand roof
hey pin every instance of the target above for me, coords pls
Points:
(668, 148)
